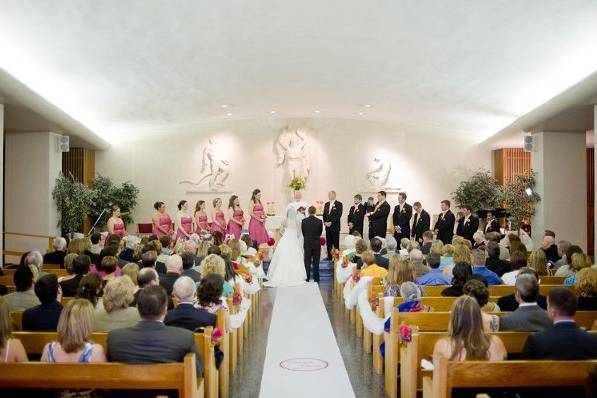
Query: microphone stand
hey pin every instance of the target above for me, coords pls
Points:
(96, 221)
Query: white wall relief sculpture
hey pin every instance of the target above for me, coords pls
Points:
(291, 149)
(215, 170)
(379, 172)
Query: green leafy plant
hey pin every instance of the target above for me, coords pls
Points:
(73, 201)
(297, 183)
(520, 198)
(480, 191)
(108, 194)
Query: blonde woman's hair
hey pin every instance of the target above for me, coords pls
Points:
(465, 330)
(75, 325)
(118, 293)
(400, 270)
(79, 246)
(361, 246)
(448, 250)
(579, 261)
(586, 282)
(202, 248)
(436, 246)
(538, 262)
(132, 271)
(368, 257)
(5, 323)
(68, 262)
(462, 254)
(225, 252)
(213, 264)
(234, 245)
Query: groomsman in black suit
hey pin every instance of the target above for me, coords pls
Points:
(491, 224)
(378, 219)
(467, 225)
(402, 214)
(312, 228)
(356, 216)
(421, 222)
(444, 227)
(332, 213)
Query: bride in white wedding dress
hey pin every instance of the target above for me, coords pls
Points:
(287, 267)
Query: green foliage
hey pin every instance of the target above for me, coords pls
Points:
(108, 194)
(480, 191)
(297, 183)
(518, 202)
(73, 201)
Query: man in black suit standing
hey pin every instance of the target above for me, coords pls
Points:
(332, 213)
(378, 219)
(563, 341)
(467, 225)
(421, 222)
(444, 227)
(491, 224)
(150, 340)
(356, 216)
(401, 218)
(312, 228)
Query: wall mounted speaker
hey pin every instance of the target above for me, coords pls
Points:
(528, 143)
(64, 143)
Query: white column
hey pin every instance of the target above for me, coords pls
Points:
(2, 178)
(559, 159)
(595, 171)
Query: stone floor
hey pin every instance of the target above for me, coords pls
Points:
(246, 381)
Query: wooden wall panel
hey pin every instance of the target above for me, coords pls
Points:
(590, 200)
(508, 163)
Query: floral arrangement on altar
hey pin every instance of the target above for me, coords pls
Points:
(319, 207)
(270, 208)
(297, 183)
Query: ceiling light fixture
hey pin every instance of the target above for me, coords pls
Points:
(224, 106)
(229, 114)
(367, 105)
(317, 111)
(272, 112)
(361, 113)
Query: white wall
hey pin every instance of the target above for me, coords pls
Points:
(32, 164)
(2, 177)
(427, 167)
(560, 163)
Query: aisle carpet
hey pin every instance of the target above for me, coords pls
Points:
(302, 357)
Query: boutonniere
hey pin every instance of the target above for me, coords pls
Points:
(403, 210)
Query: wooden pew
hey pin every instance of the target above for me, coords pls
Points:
(552, 280)
(172, 376)
(34, 343)
(494, 290)
(56, 271)
(17, 320)
(470, 374)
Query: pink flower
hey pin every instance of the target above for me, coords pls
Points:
(321, 241)
(271, 242)
(237, 299)
(405, 333)
(216, 334)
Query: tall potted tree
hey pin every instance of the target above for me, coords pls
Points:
(73, 201)
(108, 194)
(480, 191)
(520, 198)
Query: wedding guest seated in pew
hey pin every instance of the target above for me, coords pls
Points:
(493, 261)
(360, 247)
(146, 277)
(96, 246)
(370, 267)
(466, 338)
(149, 260)
(185, 315)
(214, 264)
(565, 340)
(427, 242)
(68, 266)
(565, 270)
(81, 264)
(174, 269)
(508, 303)
(91, 288)
(528, 317)
(586, 289)
(404, 244)
(113, 311)
(462, 272)
(411, 300)
(538, 262)
(391, 246)
(132, 271)
(446, 263)
(418, 261)
(376, 248)
(435, 276)
(578, 262)
(74, 336)
(44, 317)
(188, 264)
(150, 340)
(11, 349)
(479, 268)
(401, 270)
(24, 297)
(478, 290)
(56, 256)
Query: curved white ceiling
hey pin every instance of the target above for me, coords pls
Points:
(131, 68)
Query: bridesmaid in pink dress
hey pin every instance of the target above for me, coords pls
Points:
(236, 217)
(115, 223)
(257, 229)
(184, 222)
(162, 223)
(218, 221)
(201, 220)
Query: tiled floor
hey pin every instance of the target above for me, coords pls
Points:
(246, 381)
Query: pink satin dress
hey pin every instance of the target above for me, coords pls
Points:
(257, 229)
(217, 224)
(234, 228)
(186, 225)
(165, 224)
(202, 224)
(119, 229)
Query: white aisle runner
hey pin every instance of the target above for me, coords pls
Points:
(302, 357)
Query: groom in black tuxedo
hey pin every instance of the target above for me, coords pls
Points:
(332, 213)
(312, 228)
(378, 219)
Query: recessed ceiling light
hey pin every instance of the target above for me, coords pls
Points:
(272, 112)
(367, 105)
(229, 114)
(361, 113)
(316, 110)
(224, 106)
